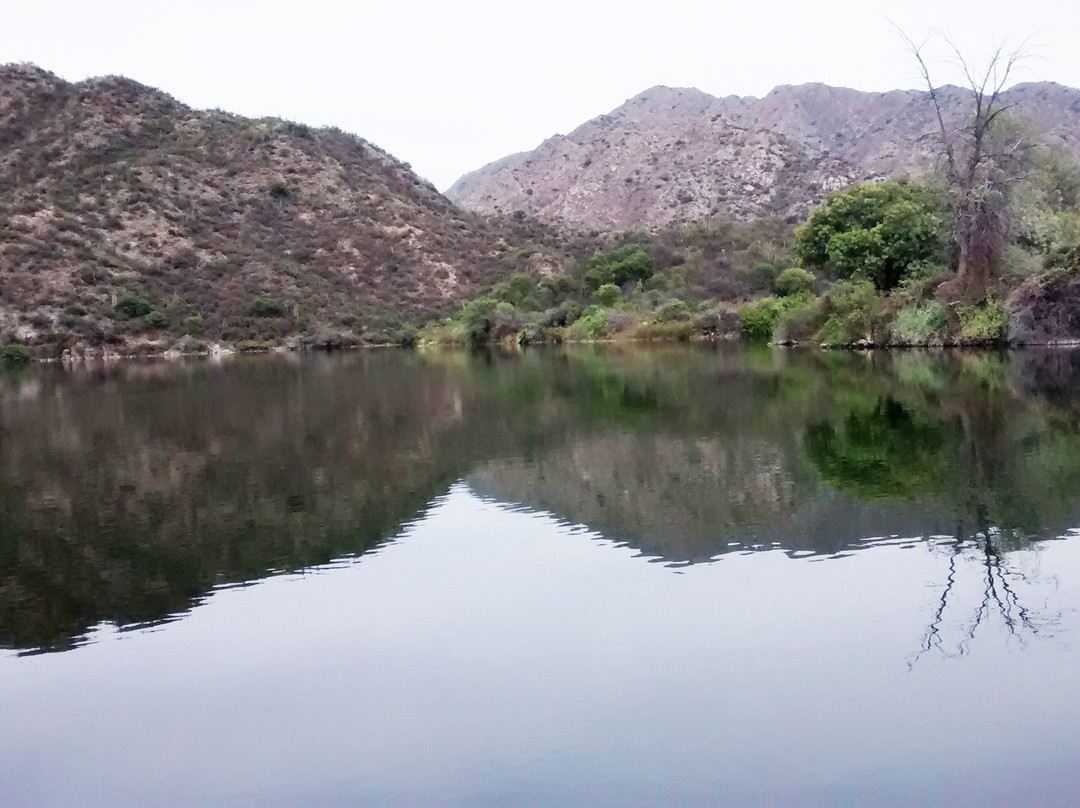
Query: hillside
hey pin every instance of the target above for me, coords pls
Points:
(128, 219)
(671, 155)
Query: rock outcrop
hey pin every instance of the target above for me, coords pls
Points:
(1046, 311)
(670, 155)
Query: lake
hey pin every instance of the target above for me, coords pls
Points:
(611, 575)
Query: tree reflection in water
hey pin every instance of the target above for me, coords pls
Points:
(1001, 466)
(999, 586)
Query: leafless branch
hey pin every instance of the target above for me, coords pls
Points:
(916, 50)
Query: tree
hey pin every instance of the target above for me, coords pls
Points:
(872, 231)
(518, 290)
(980, 160)
(794, 281)
(628, 263)
(607, 295)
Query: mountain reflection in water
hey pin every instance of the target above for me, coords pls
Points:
(129, 492)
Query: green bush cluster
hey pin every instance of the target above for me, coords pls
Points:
(874, 260)
(782, 315)
(14, 355)
(592, 324)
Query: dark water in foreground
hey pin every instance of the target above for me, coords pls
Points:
(605, 576)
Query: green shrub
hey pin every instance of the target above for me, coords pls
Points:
(519, 290)
(758, 319)
(266, 307)
(562, 315)
(15, 355)
(668, 281)
(153, 321)
(1017, 262)
(607, 295)
(794, 281)
(982, 322)
(405, 336)
(279, 189)
(193, 325)
(672, 311)
(443, 332)
(133, 306)
(671, 330)
(555, 288)
(506, 321)
(592, 323)
(799, 322)
(535, 334)
(852, 311)
(918, 324)
(476, 316)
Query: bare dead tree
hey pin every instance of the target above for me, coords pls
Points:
(978, 163)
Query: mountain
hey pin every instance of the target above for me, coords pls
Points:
(129, 219)
(678, 154)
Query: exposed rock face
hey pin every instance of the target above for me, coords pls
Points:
(109, 188)
(671, 155)
(1046, 312)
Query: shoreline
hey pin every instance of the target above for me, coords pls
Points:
(222, 351)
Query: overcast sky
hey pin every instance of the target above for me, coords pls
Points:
(449, 86)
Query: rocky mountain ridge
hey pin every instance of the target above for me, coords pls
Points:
(679, 154)
(128, 219)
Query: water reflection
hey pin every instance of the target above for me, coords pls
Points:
(129, 491)
(986, 583)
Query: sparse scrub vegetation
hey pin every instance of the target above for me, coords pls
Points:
(198, 213)
(193, 226)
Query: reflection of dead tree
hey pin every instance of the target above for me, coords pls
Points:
(1017, 619)
(999, 596)
(932, 638)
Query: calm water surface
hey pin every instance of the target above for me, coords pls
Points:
(606, 576)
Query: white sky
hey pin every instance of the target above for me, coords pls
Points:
(451, 86)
